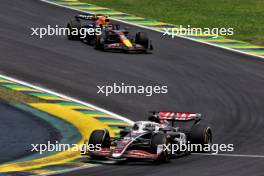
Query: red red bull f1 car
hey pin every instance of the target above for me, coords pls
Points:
(152, 140)
(107, 36)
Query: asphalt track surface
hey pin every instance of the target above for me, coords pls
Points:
(19, 130)
(226, 87)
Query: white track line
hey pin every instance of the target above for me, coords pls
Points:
(67, 97)
(149, 28)
(230, 155)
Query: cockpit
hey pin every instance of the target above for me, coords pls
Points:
(142, 126)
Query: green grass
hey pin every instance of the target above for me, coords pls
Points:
(245, 16)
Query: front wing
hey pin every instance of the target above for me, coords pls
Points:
(121, 47)
(129, 154)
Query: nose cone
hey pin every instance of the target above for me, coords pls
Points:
(126, 42)
(116, 155)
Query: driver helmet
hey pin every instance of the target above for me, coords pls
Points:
(102, 21)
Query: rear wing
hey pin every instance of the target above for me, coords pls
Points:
(163, 116)
(89, 17)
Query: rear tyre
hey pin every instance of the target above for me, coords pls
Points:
(73, 26)
(142, 39)
(201, 134)
(160, 139)
(100, 137)
(98, 43)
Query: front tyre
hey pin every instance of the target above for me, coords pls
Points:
(101, 137)
(142, 39)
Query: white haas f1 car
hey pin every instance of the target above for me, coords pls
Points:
(145, 141)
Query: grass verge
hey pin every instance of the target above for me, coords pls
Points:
(246, 17)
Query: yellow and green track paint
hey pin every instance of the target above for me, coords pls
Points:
(80, 118)
(234, 45)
